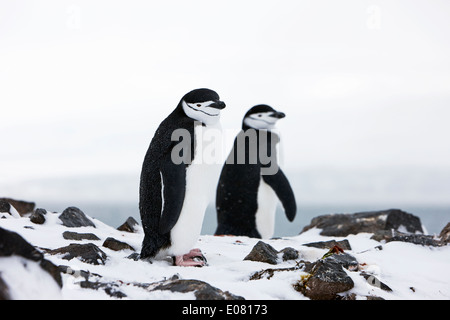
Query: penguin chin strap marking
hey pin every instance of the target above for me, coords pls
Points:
(259, 124)
(259, 119)
(209, 114)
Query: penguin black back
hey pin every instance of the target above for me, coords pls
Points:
(252, 163)
(163, 181)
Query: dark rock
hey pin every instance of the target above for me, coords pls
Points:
(4, 290)
(38, 216)
(5, 206)
(88, 253)
(392, 235)
(53, 270)
(12, 243)
(341, 225)
(289, 254)
(135, 256)
(346, 297)
(22, 207)
(373, 281)
(346, 260)
(263, 252)
(109, 287)
(73, 217)
(326, 280)
(269, 273)
(344, 244)
(76, 273)
(129, 225)
(201, 289)
(69, 235)
(374, 298)
(445, 234)
(116, 245)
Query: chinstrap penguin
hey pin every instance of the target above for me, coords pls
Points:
(247, 192)
(173, 196)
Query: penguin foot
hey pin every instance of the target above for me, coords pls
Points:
(194, 258)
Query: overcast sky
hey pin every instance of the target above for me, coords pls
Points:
(84, 84)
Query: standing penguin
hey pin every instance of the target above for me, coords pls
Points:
(174, 194)
(251, 181)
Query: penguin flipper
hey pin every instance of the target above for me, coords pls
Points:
(280, 184)
(173, 179)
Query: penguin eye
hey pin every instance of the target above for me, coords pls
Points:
(260, 115)
(199, 105)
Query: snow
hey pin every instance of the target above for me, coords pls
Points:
(411, 271)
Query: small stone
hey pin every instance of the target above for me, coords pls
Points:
(69, 235)
(289, 254)
(263, 252)
(110, 288)
(373, 281)
(4, 206)
(129, 225)
(37, 216)
(135, 256)
(116, 245)
(346, 260)
(73, 217)
(344, 244)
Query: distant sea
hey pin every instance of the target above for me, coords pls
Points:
(433, 218)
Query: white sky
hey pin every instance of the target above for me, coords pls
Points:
(84, 84)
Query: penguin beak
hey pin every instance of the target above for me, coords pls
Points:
(278, 115)
(217, 105)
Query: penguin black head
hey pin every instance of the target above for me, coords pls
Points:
(203, 105)
(261, 116)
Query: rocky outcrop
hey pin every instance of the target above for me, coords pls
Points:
(22, 207)
(393, 235)
(12, 243)
(326, 279)
(201, 289)
(88, 253)
(341, 225)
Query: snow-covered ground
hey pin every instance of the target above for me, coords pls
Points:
(411, 271)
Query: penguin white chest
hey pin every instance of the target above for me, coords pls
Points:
(265, 214)
(201, 180)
